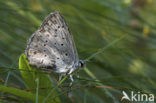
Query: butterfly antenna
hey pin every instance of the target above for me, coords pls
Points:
(87, 60)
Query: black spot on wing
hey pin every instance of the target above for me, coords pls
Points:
(66, 54)
(51, 67)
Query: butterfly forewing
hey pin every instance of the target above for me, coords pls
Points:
(51, 47)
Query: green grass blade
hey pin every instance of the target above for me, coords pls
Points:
(20, 93)
(102, 49)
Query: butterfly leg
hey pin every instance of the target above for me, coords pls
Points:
(70, 71)
(71, 78)
(77, 75)
(60, 77)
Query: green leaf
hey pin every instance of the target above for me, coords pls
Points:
(30, 75)
(27, 72)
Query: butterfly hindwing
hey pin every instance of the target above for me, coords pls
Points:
(51, 47)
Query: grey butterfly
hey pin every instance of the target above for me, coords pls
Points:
(52, 49)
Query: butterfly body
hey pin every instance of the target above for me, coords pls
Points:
(51, 48)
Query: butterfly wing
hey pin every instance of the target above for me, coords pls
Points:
(51, 47)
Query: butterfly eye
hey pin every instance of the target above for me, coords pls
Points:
(81, 63)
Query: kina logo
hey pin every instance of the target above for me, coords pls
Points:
(137, 96)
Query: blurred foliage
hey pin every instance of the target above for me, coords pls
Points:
(116, 37)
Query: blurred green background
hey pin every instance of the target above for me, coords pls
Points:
(116, 37)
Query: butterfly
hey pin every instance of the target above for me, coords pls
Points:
(52, 49)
